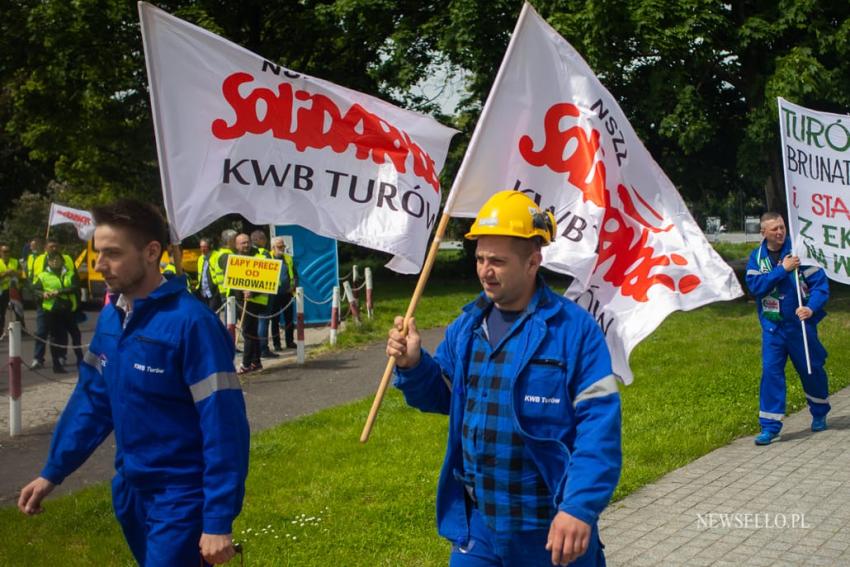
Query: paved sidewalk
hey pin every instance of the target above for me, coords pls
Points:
(787, 504)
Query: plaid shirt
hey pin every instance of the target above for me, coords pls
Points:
(509, 490)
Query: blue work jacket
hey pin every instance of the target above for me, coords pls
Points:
(575, 442)
(166, 384)
(761, 283)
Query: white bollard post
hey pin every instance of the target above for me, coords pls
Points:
(334, 315)
(230, 316)
(352, 302)
(355, 277)
(369, 292)
(14, 378)
(299, 325)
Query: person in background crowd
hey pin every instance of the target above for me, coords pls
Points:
(38, 266)
(36, 248)
(10, 272)
(771, 279)
(259, 242)
(534, 446)
(253, 305)
(159, 373)
(207, 290)
(57, 287)
(217, 267)
(283, 298)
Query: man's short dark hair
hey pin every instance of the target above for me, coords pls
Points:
(769, 216)
(142, 220)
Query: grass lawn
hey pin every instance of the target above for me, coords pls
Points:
(317, 497)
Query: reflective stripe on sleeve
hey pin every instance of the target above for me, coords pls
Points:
(598, 389)
(213, 383)
(773, 416)
(817, 400)
(753, 273)
(93, 360)
(810, 270)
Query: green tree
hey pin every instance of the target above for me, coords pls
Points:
(698, 79)
(74, 88)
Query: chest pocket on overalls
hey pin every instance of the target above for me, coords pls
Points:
(543, 391)
(154, 366)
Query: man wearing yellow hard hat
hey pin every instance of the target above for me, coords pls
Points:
(524, 374)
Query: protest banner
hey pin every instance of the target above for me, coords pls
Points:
(551, 130)
(82, 220)
(817, 185)
(249, 273)
(239, 134)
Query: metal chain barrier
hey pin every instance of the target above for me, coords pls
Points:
(314, 302)
(47, 342)
(273, 315)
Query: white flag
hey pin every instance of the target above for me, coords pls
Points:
(550, 129)
(82, 220)
(238, 134)
(815, 147)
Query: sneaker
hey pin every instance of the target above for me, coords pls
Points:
(818, 423)
(255, 366)
(269, 354)
(291, 345)
(767, 437)
(36, 364)
(277, 348)
(243, 370)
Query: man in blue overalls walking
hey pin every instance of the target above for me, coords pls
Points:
(771, 279)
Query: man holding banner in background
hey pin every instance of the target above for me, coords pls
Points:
(771, 277)
(253, 305)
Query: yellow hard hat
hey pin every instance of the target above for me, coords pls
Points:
(511, 213)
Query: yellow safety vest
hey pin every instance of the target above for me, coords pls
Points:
(31, 265)
(217, 271)
(6, 281)
(55, 282)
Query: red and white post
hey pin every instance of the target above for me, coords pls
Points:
(369, 292)
(334, 315)
(230, 316)
(14, 378)
(352, 302)
(299, 325)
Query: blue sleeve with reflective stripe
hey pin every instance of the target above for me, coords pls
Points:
(597, 459)
(818, 289)
(211, 377)
(85, 422)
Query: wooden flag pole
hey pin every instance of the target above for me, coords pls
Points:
(411, 309)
